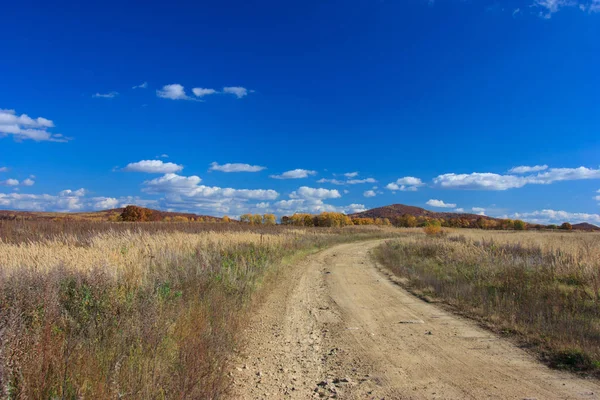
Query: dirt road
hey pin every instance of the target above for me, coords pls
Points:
(335, 326)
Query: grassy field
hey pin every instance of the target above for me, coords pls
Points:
(542, 286)
(151, 310)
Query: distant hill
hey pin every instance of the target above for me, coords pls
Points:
(398, 210)
(104, 215)
(584, 226)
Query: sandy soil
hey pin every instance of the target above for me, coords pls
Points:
(336, 327)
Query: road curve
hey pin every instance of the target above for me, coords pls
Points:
(336, 327)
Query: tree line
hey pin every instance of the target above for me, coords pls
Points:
(335, 219)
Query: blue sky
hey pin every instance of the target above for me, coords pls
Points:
(302, 106)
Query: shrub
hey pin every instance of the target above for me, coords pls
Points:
(519, 225)
(432, 228)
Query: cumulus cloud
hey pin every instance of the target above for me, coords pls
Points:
(110, 95)
(357, 181)
(311, 200)
(9, 182)
(406, 184)
(174, 91)
(185, 192)
(557, 217)
(369, 193)
(67, 201)
(236, 167)
(295, 174)
(478, 210)
(349, 180)
(141, 86)
(77, 193)
(333, 181)
(459, 210)
(23, 127)
(237, 91)
(492, 181)
(305, 192)
(440, 203)
(481, 181)
(201, 92)
(3, 169)
(28, 182)
(153, 167)
(524, 169)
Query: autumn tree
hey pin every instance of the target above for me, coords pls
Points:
(269, 219)
(566, 226)
(134, 214)
(226, 219)
(519, 225)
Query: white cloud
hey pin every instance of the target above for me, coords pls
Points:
(354, 208)
(305, 192)
(295, 174)
(22, 127)
(28, 182)
(66, 201)
(77, 193)
(170, 183)
(106, 203)
(236, 167)
(201, 92)
(153, 167)
(110, 95)
(557, 217)
(478, 210)
(406, 184)
(164, 156)
(482, 181)
(333, 181)
(183, 192)
(348, 181)
(358, 181)
(524, 169)
(10, 182)
(3, 169)
(440, 203)
(173, 91)
(459, 210)
(492, 181)
(238, 91)
(549, 7)
(310, 200)
(516, 12)
(369, 193)
(141, 86)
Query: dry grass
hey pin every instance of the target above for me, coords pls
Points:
(100, 310)
(544, 287)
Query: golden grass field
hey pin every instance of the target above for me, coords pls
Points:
(140, 310)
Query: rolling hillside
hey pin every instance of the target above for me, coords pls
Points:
(104, 215)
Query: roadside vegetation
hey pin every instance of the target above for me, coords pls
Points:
(134, 310)
(542, 287)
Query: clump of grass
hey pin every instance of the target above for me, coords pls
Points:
(540, 286)
(99, 310)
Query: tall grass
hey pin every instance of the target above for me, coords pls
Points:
(146, 311)
(545, 287)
